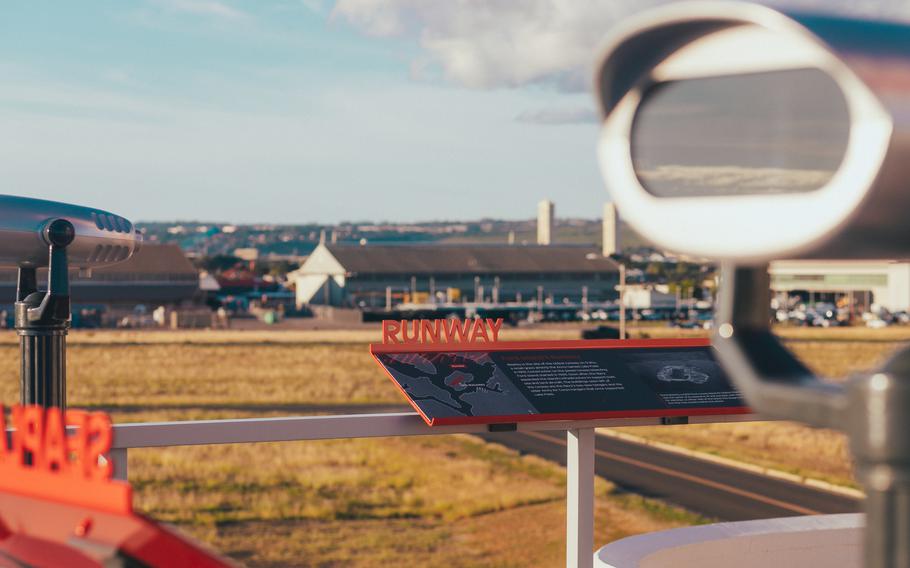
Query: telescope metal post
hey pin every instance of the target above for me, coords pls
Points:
(42, 371)
(878, 427)
(42, 321)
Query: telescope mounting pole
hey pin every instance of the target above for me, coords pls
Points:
(42, 321)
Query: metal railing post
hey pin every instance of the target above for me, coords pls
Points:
(580, 498)
(119, 457)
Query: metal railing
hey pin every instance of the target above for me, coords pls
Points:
(579, 448)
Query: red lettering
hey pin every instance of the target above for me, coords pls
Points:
(457, 327)
(54, 450)
(479, 330)
(452, 330)
(77, 443)
(99, 444)
(414, 336)
(390, 329)
(429, 331)
(29, 422)
(4, 444)
(495, 325)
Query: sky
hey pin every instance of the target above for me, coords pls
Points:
(298, 111)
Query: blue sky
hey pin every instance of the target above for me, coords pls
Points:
(298, 111)
(277, 112)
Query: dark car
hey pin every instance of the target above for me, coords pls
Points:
(600, 332)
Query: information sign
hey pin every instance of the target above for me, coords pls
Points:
(503, 382)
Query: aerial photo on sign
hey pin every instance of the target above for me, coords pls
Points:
(524, 381)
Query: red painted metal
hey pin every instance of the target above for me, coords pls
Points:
(60, 507)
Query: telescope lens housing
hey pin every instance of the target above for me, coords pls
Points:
(93, 237)
(761, 133)
(736, 132)
(60, 233)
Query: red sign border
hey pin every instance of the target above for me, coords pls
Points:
(379, 348)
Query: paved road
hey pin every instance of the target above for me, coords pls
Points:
(708, 488)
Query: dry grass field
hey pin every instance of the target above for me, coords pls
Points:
(451, 499)
(822, 454)
(373, 502)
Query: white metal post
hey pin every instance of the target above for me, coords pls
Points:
(119, 457)
(580, 498)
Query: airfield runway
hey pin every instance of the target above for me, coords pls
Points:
(711, 489)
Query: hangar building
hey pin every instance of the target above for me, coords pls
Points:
(866, 282)
(349, 275)
(155, 275)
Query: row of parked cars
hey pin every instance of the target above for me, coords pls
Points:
(829, 315)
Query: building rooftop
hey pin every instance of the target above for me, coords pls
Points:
(154, 274)
(474, 259)
(150, 262)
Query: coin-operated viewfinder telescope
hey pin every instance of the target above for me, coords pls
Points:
(34, 234)
(736, 132)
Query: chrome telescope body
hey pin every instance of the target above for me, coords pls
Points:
(743, 134)
(35, 233)
(734, 131)
(101, 238)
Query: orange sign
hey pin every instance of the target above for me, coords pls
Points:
(62, 458)
(441, 331)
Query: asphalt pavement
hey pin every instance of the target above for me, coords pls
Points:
(711, 489)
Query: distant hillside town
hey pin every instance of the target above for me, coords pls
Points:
(197, 274)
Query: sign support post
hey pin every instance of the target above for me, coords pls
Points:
(580, 498)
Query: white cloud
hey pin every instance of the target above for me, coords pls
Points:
(354, 148)
(208, 8)
(491, 43)
(508, 43)
(315, 6)
(556, 116)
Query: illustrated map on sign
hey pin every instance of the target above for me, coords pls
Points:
(499, 384)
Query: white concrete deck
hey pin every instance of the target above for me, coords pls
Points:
(792, 542)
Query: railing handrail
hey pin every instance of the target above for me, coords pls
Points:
(341, 426)
(580, 449)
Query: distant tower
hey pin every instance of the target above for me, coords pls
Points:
(545, 212)
(611, 242)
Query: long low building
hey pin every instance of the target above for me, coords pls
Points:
(375, 275)
(882, 282)
(156, 275)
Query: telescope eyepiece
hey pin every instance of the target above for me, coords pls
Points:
(59, 233)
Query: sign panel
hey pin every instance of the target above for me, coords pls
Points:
(60, 507)
(485, 383)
